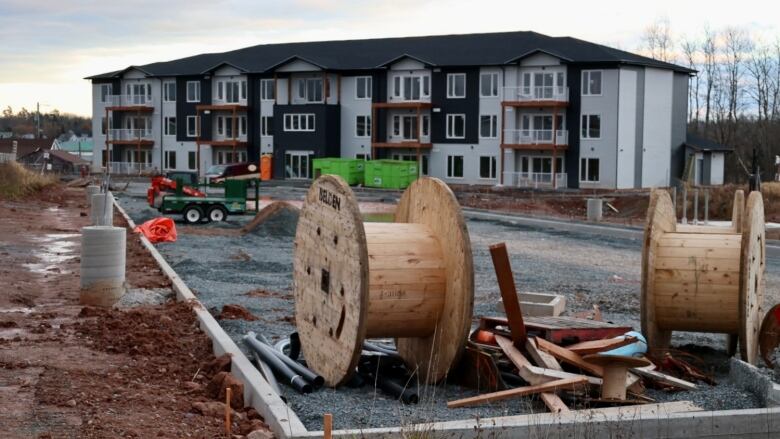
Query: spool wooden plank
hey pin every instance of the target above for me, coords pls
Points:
(553, 403)
(596, 346)
(569, 357)
(564, 384)
(753, 262)
(541, 358)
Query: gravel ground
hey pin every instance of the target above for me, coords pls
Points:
(255, 271)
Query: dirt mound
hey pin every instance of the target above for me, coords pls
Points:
(235, 312)
(277, 219)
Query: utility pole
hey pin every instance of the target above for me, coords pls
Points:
(38, 120)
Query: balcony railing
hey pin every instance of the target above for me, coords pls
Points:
(536, 94)
(534, 179)
(130, 168)
(536, 137)
(129, 101)
(130, 134)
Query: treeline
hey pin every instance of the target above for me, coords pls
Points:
(735, 97)
(52, 123)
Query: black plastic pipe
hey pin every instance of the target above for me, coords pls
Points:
(267, 373)
(266, 354)
(405, 394)
(303, 371)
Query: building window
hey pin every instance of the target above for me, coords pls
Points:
(169, 126)
(488, 85)
(365, 157)
(193, 91)
(411, 88)
(231, 91)
(405, 127)
(103, 127)
(591, 126)
(426, 125)
(309, 90)
(363, 87)
(589, 170)
(456, 126)
(169, 91)
(454, 166)
(242, 125)
(488, 126)
(456, 85)
(266, 125)
(363, 126)
(267, 89)
(105, 93)
(299, 122)
(192, 159)
(170, 159)
(487, 167)
(192, 126)
(243, 89)
(591, 82)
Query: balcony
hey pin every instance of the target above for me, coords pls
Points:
(536, 139)
(139, 137)
(129, 103)
(131, 168)
(223, 105)
(545, 96)
(535, 180)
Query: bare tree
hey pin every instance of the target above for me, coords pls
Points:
(691, 51)
(736, 45)
(711, 71)
(760, 68)
(658, 40)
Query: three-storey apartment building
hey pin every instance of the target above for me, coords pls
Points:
(518, 109)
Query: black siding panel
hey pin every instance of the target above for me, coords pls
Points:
(468, 106)
(184, 108)
(379, 94)
(574, 82)
(253, 118)
(324, 141)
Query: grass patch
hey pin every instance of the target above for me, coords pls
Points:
(17, 182)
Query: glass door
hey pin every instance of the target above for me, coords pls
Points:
(297, 165)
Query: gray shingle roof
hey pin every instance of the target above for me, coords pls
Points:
(440, 50)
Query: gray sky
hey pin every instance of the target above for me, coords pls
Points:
(47, 47)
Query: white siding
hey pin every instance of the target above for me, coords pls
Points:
(627, 107)
(657, 134)
(716, 168)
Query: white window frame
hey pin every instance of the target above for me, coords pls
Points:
(367, 84)
(305, 96)
(399, 87)
(493, 128)
(166, 124)
(584, 172)
(493, 167)
(586, 127)
(450, 134)
(196, 91)
(586, 89)
(425, 125)
(166, 89)
(197, 126)
(451, 85)
(242, 126)
(266, 126)
(493, 84)
(451, 166)
(398, 127)
(264, 89)
(168, 159)
(366, 125)
(106, 90)
(299, 122)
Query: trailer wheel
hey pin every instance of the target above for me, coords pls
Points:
(217, 214)
(192, 214)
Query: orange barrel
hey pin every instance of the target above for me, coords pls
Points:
(266, 167)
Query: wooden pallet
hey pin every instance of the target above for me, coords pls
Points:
(560, 330)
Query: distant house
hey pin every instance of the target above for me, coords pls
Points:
(24, 146)
(61, 162)
(704, 161)
(79, 146)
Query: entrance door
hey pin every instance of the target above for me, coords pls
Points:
(405, 127)
(297, 165)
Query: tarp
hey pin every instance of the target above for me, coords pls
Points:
(158, 230)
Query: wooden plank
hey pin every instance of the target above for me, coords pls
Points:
(565, 384)
(541, 358)
(596, 346)
(665, 379)
(506, 283)
(533, 374)
(701, 264)
(569, 357)
(692, 276)
(554, 403)
(711, 252)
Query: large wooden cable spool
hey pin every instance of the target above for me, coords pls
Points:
(703, 278)
(412, 280)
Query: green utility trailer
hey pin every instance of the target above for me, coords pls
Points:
(390, 174)
(211, 207)
(351, 170)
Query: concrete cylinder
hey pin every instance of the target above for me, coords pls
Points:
(595, 209)
(92, 190)
(101, 209)
(103, 250)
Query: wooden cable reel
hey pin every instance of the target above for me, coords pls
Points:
(412, 279)
(703, 278)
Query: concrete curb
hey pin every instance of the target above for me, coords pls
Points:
(753, 380)
(257, 392)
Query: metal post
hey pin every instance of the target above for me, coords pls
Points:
(696, 206)
(685, 206)
(706, 207)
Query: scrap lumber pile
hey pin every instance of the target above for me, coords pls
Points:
(564, 361)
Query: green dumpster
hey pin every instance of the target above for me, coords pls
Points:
(390, 174)
(351, 170)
